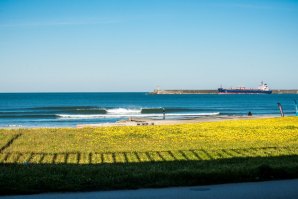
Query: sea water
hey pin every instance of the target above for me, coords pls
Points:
(71, 109)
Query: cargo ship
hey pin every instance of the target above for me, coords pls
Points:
(262, 89)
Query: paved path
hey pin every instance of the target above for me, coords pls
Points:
(284, 189)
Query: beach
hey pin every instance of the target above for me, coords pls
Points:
(148, 122)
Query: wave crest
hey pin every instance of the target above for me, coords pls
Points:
(122, 111)
(170, 115)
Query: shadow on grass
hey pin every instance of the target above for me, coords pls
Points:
(6, 145)
(32, 172)
(142, 156)
(26, 178)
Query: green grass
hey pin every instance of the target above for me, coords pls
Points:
(68, 159)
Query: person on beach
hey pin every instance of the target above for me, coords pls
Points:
(164, 113)
(249, 113)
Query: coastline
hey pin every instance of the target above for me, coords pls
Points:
(142, 121)
(149, 122)
(105, 109)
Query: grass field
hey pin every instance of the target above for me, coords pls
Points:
(68, 159)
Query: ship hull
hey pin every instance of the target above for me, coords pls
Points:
(243, 91)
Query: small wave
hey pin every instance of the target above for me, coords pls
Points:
(123, 111)
(28, 116)
(174, 110)
(14, 125)
(94, 116)
(62, 108)
(68, 116)
(87, 111)
(193, 114)
(79, 116)
(68, 110)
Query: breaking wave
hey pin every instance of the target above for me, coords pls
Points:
(71, 116)
(92, 112)
(123, 111)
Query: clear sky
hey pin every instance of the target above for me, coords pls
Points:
(137, 45)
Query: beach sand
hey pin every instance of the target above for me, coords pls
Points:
(148, 122)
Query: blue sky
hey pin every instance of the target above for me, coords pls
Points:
(136, 45)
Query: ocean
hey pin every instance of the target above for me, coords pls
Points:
(71, 109)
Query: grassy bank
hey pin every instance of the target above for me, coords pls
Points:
(67, 159)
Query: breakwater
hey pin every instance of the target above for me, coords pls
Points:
(276, 91)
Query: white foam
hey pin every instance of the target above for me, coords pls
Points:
(94, 116)
(123, 111)
(193, 114)
(14, 125)
(79, 116)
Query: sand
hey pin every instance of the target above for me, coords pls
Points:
(148, 122)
